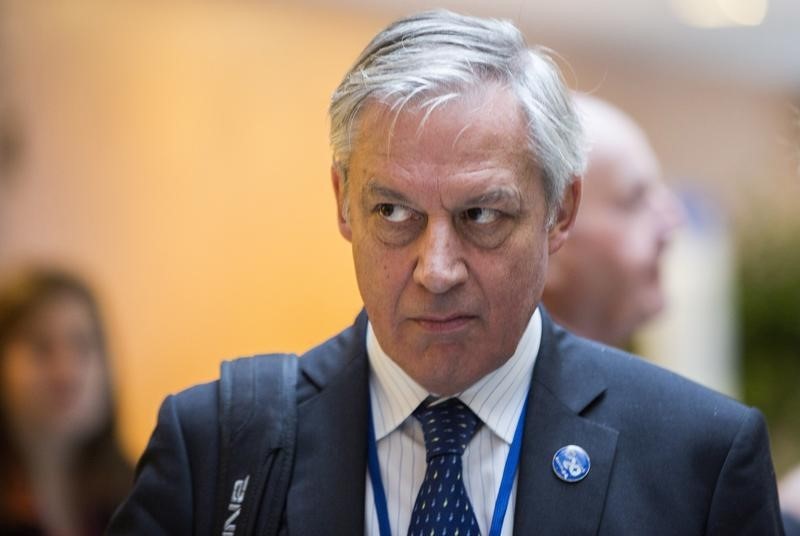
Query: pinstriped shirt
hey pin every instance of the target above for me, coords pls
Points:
(497, 399)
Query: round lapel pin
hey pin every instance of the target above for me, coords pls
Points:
(571, 463)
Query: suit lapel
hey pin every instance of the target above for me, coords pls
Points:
(326, 495)
(564, 385)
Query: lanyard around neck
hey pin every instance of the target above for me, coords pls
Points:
(503, 495)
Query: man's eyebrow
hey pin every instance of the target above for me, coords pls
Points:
(496, 195)
(376, 190)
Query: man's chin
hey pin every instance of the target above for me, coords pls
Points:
(655, 305)
(447, 385)
(648, 311)
(441, 370)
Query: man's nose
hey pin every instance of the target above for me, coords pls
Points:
(440, 263)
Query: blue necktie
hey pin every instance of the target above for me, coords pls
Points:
(442, 506)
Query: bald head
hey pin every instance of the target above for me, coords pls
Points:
(605, 282)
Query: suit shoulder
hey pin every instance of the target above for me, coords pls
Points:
(334, 360)
(193, 414)
(646, 387)
(198, 398)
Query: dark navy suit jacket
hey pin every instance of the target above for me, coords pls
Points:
(668, 456)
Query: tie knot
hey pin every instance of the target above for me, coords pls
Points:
(448, 427)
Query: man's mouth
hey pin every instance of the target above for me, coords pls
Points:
(443, 323)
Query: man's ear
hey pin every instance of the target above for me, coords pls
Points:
(566, 216)
(339, 190)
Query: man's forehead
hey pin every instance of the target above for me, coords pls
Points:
(493, 108)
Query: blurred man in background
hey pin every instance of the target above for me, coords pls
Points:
(605, 282)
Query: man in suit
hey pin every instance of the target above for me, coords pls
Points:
(457, 158)
(604, 284)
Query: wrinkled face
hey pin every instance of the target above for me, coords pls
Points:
(53, 377)
(447, 224)
(608, 272)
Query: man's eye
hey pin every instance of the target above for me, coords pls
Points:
(481, 216)
(394, 213)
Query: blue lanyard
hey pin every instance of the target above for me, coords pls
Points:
(503, 495)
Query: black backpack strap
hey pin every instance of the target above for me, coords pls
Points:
(258, 429)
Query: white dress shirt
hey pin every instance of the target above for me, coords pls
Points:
(497, 399)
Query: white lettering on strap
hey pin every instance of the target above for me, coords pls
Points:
(235, 506)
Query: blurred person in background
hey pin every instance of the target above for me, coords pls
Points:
(605, 282)
(61, 469)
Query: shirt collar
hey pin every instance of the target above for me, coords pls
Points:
(497, 398)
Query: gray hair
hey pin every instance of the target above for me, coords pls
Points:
(433, 57)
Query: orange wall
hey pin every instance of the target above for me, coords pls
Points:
(179, 157)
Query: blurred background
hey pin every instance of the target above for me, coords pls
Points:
(175, 154)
